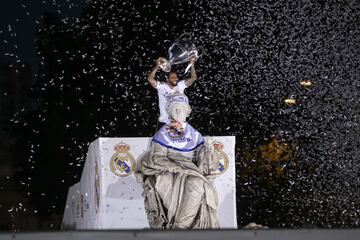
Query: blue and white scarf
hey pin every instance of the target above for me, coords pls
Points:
(185, 141)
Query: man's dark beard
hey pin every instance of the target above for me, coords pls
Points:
(173, 84)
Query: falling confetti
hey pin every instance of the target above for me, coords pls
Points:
(281, 76)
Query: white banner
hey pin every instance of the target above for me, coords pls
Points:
(110, 197)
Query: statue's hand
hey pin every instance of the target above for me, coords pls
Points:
(209, 143)
(174, 169)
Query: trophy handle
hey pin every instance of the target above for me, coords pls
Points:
(185, 33)
(166, 67)
(188, 67)
(164, 64)
(200, 52)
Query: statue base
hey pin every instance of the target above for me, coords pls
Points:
(109, 197)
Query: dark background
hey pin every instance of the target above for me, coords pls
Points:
(72, 71)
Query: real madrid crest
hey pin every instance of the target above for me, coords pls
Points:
(122, 163)
(222, 157)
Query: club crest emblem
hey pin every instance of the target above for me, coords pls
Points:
(122, 163)
(222, 157)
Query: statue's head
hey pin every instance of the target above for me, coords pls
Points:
(178, 108)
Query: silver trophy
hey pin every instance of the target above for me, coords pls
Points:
(181, 51)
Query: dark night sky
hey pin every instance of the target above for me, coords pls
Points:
(22, 17)
(93, 83)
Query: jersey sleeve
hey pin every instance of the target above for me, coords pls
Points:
(182, 85)
(159, 85)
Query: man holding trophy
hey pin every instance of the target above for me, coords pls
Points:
(180, 52)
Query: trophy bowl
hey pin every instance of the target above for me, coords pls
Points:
(181, 51)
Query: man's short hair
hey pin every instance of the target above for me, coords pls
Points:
(172, 71)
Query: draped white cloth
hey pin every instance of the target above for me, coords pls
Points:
(178, 187)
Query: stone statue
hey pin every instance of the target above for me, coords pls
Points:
(177, 174)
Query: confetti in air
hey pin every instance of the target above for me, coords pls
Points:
(280, 75)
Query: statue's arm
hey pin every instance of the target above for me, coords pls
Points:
(151, 76)
(193, 76)
(161, 160)
(207, 159)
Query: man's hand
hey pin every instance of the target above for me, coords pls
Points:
(158, 62)
(192, 61)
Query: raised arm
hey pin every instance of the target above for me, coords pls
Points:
(193, 76)
(151, 76)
